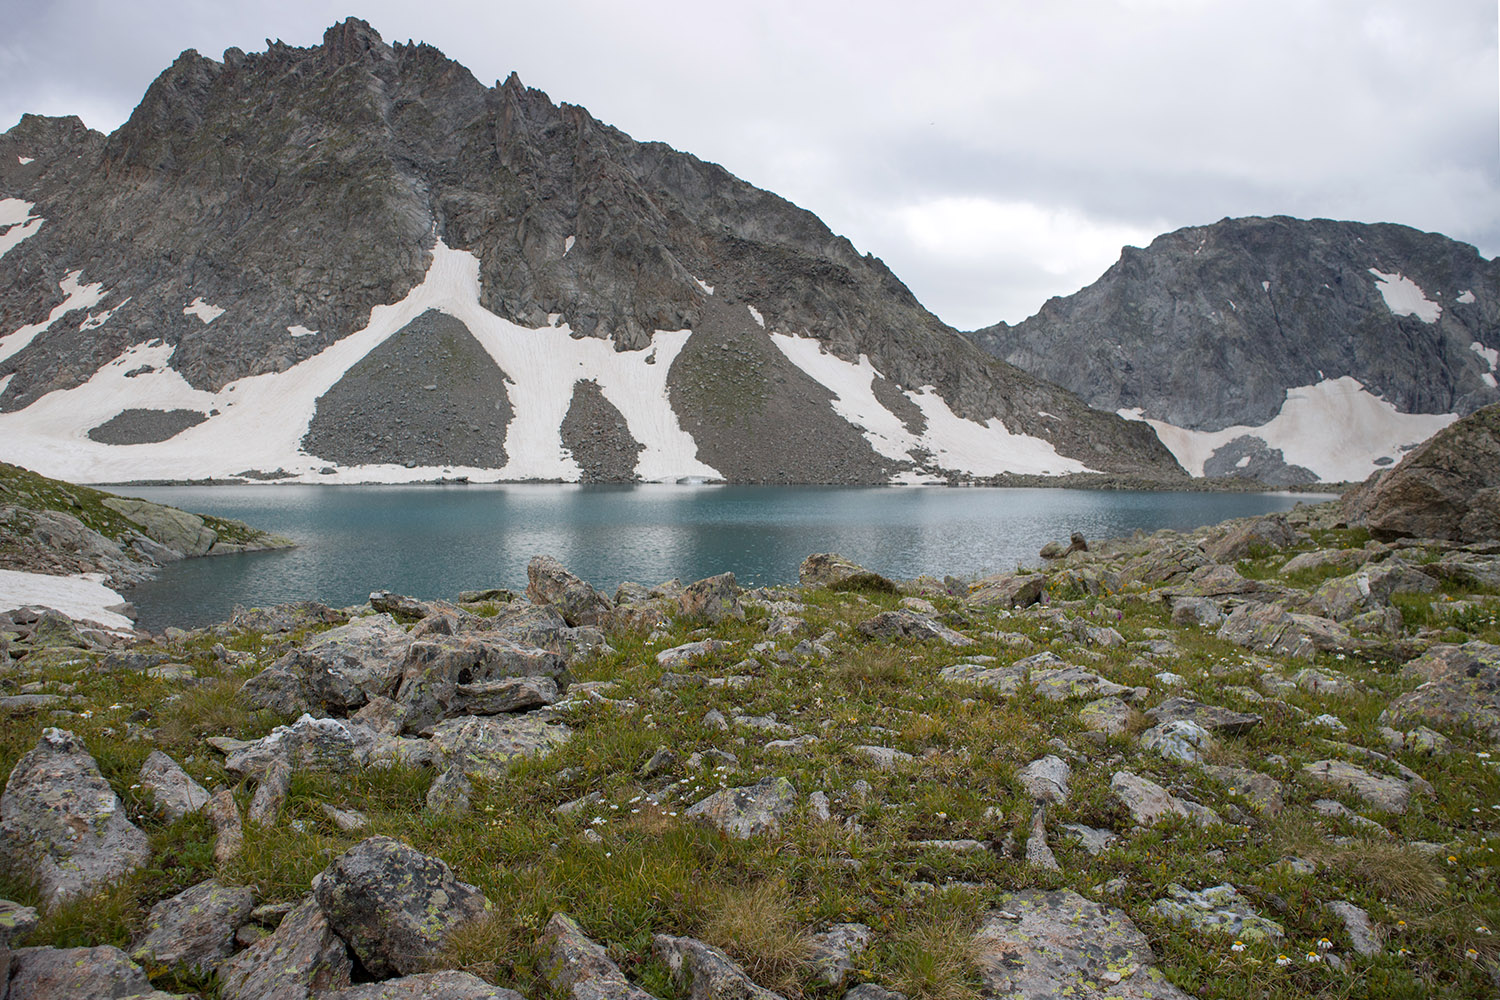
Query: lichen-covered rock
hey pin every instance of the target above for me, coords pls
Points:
(61, 823)
(1149, 802)
(175, 793)
(833, 953)
(1258, 536)
(16, 921)
(1370, 589)
(1266, 628)
(176, 529)
(1461, 687)
(1380, 791)
(309, 743)
(1006, 680)
(1223, 721)
(1181, 739)
(302, 958)
(483, 746)
(745, 812)
(229, 833)
(426, 986)
(580, 968)
(435, 668)
(1362, 934)
(706, 973)
(549, 582)
(337, 671)
(689, 651)
(1067, 681)
(711, 599)
(1218, 908)
(1043, 945)
(910, 625)
(1010, 590)
(104, 972)
(194, 930)
(831, 570)
(1109, 715)
(1047, 779)
(395, 906)
(1263, 791)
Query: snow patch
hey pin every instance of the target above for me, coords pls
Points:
(94, 322)
(1404, 297)
(1488, 379)
(568, 244)
(79, 296)
(755, 315)
(23, 160)
(704, 285)
(1335, 428)
(953, 442)
(203, 310)
(262, 419)
(1466, 297)
(1044, 413)
(16, 223)
(1265, 286)
(1490, 355)
(83, 597)
(301, 331)
(1244, 461)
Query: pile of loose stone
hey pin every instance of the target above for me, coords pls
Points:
(466, 694)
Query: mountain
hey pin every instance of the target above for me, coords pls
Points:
(354, 262)
(1283, 349)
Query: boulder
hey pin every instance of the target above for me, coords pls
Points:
(194, 930)
(1149, 802)
(689, 651)
(174, 792)
(308, 743)
(1109, 716)
(1197, 611)
(395, 906)
(61, 823)
(483, 746)
(282, 618)
(302, 958)
(1011, 590)
(1390, 794)
(1370, 589)
(1068, 681)
(834, 952)
(1263, 791)
(1256, 537)
(1266, 628)
(1181, 739)
(910, 625)
(1040, 945)
(1362, 935)
(549, 582)
(435, 669)
(338, 671)
(833, 571)
(1461, 687)
(711, 599)
(1449, 487)
(577, 967)
(176, 529)
(426, 986)
(1046, 779)
(703, 972)
(745, 812)
(1223, 721)
(76, 974)
(1218, 908)
(270, 792)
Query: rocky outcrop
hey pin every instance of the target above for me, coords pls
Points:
(1448, 488)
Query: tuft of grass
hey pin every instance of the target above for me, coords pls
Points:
(935, 960)
(756, 926)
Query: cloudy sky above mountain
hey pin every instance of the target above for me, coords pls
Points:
(993, 154)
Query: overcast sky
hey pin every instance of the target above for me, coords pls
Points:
(992, 153)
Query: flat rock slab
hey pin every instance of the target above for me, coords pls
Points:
(1390, 794)
(1263, 791)
(1007, 591)
(426, 986)
(679, 656)
(1461, 688)
(1149, 802)
(1005, 680)
(1222, 721)
(483, 746)
(1043, 945)
(1266, 628)
(911, 625)
(1110, 716)
(706, 973)
(301, 958)
(1218, 908)
(310, 743)
(579, 967)
(395, 906)
(194, 930)
(175, 792)
(833, 953)
(1062, 683)
(745, 812)
(62, 824)
(75, 974)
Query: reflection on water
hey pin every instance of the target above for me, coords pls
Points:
(433, 541)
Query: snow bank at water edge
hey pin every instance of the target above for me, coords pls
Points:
(83, 597)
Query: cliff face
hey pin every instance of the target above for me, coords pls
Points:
(252, 214)
(1220, 330)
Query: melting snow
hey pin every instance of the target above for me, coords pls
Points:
(1404, 297)
(953, 442)
(755, 315)
(301, 331)
(94, 322)
(204, 311)
(1489, 380)
(568, 244)
(1466, 297)
(82, 597)
(1265, 286)
(23, 160)
(262, 418)
(704, 285)
(79, 296)
(16, 223)
(1489, 354)
(1244, 461)
(1335, 428)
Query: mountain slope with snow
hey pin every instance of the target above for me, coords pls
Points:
(354, 262)
(1281, 349)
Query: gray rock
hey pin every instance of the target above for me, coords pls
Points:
(1011, 590)
(580, 968)
(1257, 536)
(1460, 687)
(1370, 589)
(1357, 925)
(1266, 628)
(1047, 779)
(1006, 680)
(1197, 611)
(1042, 945)
(270, 792)
(910, 625)
(1037, 851)
(828, 569)
(104, 973)
(549, 582)
(704, 972)
(1110, 716)
(301, 959)
(507, 694)
(1181, 739)
(1263, 791)
(1390, 794)
(176, 529)
(337, 671)
(445, 676)
(395, 906)
(1149, 802)
(1065, 682)
(712, 599)
(451, 793)
(833, 953)
(313, 744)
(229, 833)
(347, 820)
(872, 991)
(62, 825)
(426, 986)
(483, 746)
(884, 758)
(174, 792)
(745, 812)
(1218, 908)
(1094, 840)
(1222, 721)
(679, 656)
(194, 930)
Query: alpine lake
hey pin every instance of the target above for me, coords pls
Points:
(432, 541)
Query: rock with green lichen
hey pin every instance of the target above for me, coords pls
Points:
(194, 930)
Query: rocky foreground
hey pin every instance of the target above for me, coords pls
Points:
(1251, 759)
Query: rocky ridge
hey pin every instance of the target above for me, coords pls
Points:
(254, 212)
(1266, 747)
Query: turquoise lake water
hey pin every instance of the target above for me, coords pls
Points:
(433, 541)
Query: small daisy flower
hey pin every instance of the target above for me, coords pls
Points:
(1283, 960)
(1237, 946)
(1313, 956)
(1471, 954)
(1481, 929)
(1324, 944)
(1403, 952)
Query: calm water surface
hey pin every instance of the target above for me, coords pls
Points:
(433, 541)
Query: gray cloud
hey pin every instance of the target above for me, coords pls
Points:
(989, 153)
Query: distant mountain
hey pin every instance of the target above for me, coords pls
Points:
(1281, 349)
(354, 262)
